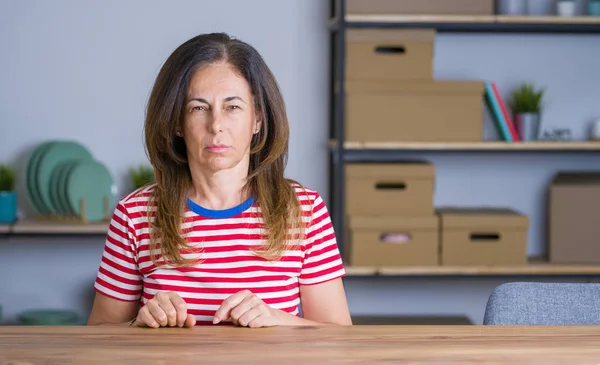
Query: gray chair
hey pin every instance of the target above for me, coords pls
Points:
(540, 304)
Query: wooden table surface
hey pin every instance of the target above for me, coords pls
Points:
(301, 345)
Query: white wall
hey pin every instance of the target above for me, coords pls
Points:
(83, 70)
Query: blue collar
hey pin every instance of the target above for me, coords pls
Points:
(217, 214)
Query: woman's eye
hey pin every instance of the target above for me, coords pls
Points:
(233, 107)
(199, 107)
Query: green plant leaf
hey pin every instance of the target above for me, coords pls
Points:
(7, 178)
(141, 176)
(526, 99)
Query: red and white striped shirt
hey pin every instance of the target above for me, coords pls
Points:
(228, 264)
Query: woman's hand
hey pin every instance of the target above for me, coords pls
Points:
(165, 309)
(247, 310)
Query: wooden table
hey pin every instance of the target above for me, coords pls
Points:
(301, 345)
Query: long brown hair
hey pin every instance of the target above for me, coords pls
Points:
(278, 201)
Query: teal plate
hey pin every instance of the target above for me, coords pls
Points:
(49, 317)
(31, 178)
(56, 154)
(92, 182)
(62, 186)
(57, 181)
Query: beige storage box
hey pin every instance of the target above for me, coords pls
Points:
(435, 111)
(392, 241)
(383, 189)
(389, 54)
(491, 236)
(574, 218)
(421, 7)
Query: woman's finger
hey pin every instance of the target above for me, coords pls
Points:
(180, 308)
(223, 312)
(245, 319)
(145, 318)
(156, 311)
(164, 300)
(190, 321)
(258, 321)
(244, 306)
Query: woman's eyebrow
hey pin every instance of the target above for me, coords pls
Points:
(198, 99)
(230, 98)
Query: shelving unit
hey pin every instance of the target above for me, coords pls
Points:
(374, 151)
(474, 24)
(532, 269)
(470, 146)
(43, 227)
(343, 151)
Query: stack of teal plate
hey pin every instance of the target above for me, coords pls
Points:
(49, 317)
(63, 179)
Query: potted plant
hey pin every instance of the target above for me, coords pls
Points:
(526, 105)
(8, 197)
(141, 176)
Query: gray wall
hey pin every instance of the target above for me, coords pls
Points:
(83, 70)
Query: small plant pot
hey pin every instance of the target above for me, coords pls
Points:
(566, 8)
(528, 126)
(8, 207)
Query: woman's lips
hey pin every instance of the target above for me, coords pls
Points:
(218, 148)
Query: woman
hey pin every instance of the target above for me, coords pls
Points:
(222, 236)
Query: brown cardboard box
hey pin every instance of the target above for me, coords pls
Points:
(574, 216)
(433, 111)
(402, 188)
(487, 236)
(389, 54)
(392, 241)
(421, 7)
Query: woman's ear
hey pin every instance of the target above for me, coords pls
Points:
(259, 118)
(258, 126)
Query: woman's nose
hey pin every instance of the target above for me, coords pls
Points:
(216, 125)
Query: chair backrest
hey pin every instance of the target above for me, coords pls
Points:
(539, 304)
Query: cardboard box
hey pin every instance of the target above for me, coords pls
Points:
(389, 54)
(574, 216)
(486, 236)
(392, 241)
(433, 111)
(421, 7)
(384, 189)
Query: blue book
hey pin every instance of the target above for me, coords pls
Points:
(496, 112)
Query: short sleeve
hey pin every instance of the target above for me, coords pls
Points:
(118, 276)
(322, 260)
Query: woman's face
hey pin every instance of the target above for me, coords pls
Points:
(219, 118)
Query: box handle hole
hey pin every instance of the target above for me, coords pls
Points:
(390, 186)
(390, 50)
(485, 236)
(395, 238)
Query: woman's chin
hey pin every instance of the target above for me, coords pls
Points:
(218, 163)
